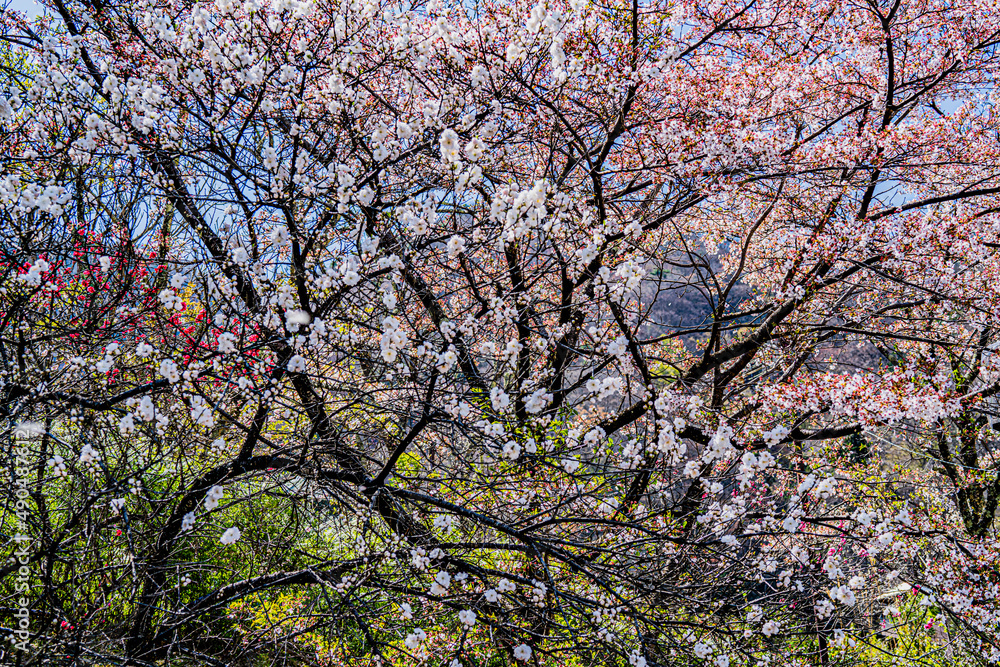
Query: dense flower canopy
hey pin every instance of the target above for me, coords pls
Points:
(467, 333)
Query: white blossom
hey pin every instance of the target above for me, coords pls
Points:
(230, 536)
(414, 639)
(449, 146)
(213, 497)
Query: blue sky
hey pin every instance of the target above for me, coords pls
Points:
(27, 6)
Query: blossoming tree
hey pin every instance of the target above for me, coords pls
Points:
(369, 332)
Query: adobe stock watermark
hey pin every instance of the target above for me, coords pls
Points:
(24, 433)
